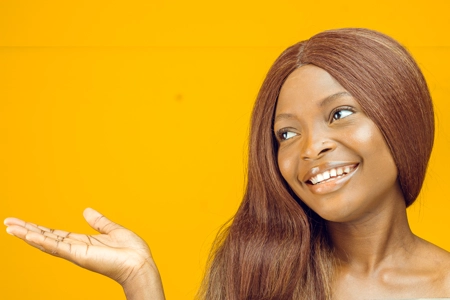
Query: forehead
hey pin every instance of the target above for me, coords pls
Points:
(306, 86)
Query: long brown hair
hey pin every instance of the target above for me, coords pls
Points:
(276, 247)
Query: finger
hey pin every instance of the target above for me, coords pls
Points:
(22, 232)
(30, 238)
(34, 227)
(81, 254)
(16, 221)
(63, 248)
(21, 228)
(12, 221)
(99, 222)
(42, 229)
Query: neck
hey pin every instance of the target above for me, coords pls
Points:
(380, 238)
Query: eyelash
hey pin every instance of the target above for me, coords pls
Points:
(283, 131)
(340, 109)
(280, 133)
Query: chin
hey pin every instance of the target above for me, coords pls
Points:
(340, 213)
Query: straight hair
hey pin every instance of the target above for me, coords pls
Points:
(275, 247)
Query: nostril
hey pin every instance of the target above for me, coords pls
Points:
(324, 150)
(316, 150)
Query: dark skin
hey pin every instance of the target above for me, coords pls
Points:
(116, 252)
(321, 128)
(336, 160)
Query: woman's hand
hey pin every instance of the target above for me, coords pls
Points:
(116, 252)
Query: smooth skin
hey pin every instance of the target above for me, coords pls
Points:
(116, 252)
(319, 126)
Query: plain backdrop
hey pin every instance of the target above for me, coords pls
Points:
(140, 109)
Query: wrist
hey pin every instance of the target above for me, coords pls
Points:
(144, 284)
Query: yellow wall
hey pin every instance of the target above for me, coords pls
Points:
(140, 109)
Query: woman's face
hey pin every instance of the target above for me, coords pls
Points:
(330, 153)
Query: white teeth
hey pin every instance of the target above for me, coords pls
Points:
(319, 177)
(330, 174)
(333, 172)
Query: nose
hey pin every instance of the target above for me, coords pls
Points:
(315, 145)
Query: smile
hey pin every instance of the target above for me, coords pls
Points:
(331, 174)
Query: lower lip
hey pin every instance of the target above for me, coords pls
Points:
(331, 185)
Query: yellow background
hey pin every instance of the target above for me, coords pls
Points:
(140, 109)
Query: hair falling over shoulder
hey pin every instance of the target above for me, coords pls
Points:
(276, 247)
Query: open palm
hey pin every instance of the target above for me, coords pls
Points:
(116, 252)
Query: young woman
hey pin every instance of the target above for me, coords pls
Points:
(341, 134)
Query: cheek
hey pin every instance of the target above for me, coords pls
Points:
(288, 165)
(375, 152)
(365, 134)
(368, 139)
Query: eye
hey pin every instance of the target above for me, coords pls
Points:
(285, 134)
(341, 112)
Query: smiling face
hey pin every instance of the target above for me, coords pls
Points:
(330, 153)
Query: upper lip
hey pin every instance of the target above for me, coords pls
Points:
(325, 167)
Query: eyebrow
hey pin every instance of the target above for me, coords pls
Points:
(325, 101)
(330, 98)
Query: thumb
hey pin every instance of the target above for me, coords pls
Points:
(99, 222)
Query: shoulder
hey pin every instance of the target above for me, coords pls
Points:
(438, 262)
(445, 271)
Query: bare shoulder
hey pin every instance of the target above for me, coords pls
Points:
(438, 261)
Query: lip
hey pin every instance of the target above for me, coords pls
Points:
(327, 166)
(329, 185)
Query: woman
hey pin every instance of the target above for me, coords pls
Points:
(341, 135)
